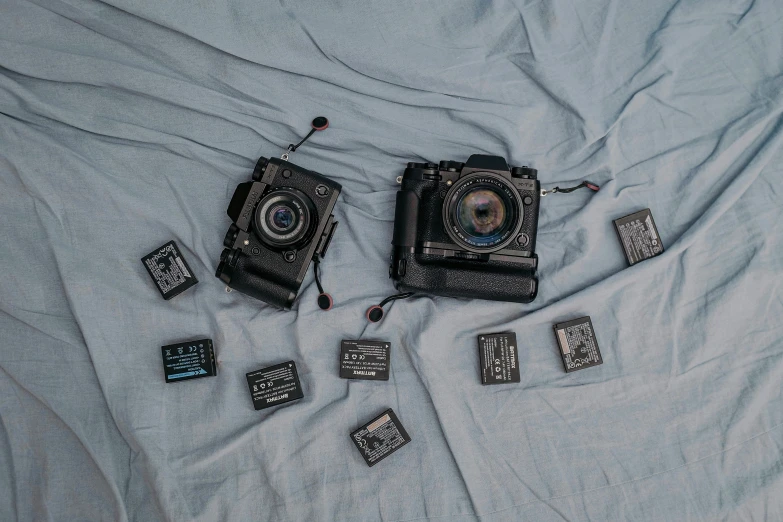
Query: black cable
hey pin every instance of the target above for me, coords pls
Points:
(394, 297)
(292, 147)
(375, 312)
(317, 278)
(325, 301)
(318, 124)
(588, 184)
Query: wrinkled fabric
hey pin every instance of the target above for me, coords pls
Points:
(124, 125)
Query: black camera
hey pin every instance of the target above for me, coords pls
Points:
(467, 230)
(282, 221)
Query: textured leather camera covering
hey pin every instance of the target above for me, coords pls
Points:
(426, 274)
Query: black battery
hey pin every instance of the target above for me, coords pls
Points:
(274, 385)
(638, 236)
(498, 357)
(189, 360)
(578, 345)
(365, 360)
(169, 270)
(380, 437)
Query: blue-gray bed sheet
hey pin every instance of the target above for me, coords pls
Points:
(125, 124)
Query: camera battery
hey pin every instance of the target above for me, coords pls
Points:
(189, 360)
(638, 236)
(498, 357)
(380, 437)
(365, 360)
(578, 345)
(274, 385)
(169, 270)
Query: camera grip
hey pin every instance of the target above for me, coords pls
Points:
(423, 274)
(245, 279)
(406, 213)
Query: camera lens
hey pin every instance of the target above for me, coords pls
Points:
(482, 212)
(284, 218)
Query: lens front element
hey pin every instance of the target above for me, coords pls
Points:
(282, 218)
(482, 212)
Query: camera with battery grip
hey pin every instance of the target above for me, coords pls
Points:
(460, 230)
(467, 230)
(282, 220)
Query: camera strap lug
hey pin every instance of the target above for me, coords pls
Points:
(318, 124)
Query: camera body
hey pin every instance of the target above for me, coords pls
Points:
(467, 230)
(282, 220)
